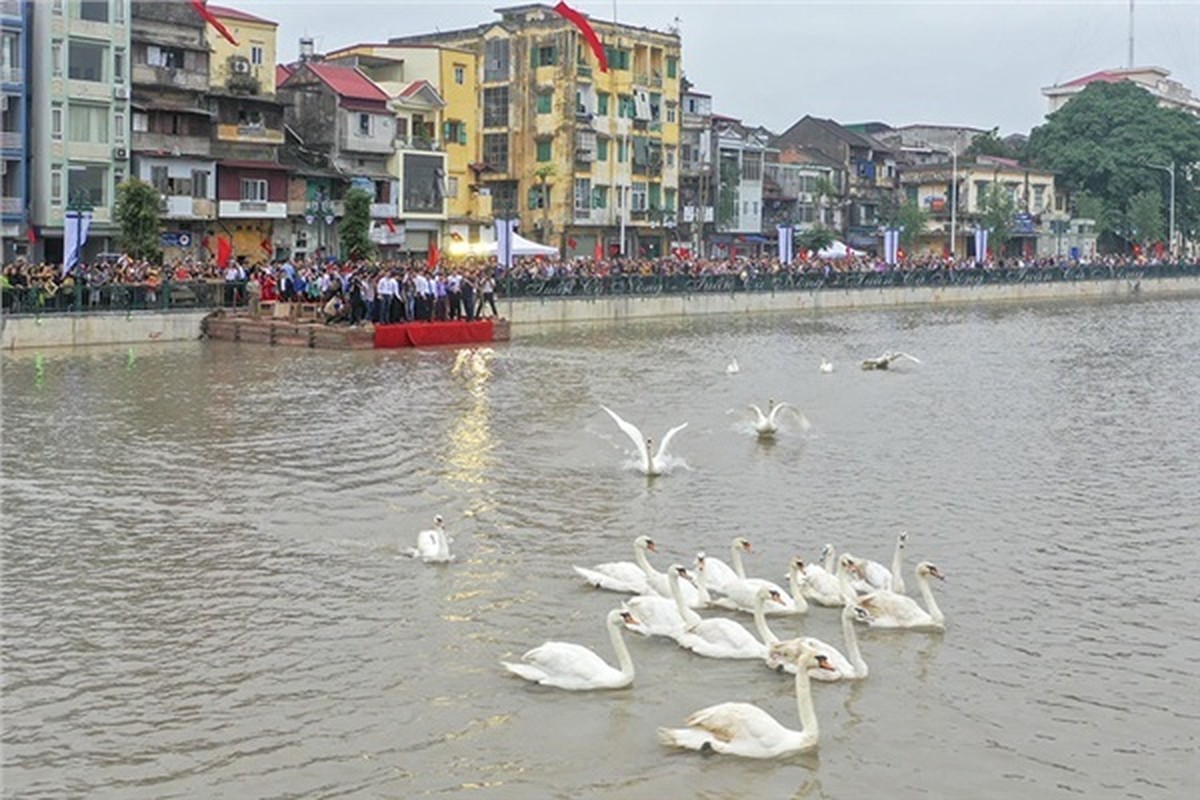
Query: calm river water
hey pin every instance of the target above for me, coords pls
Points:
(204, 593)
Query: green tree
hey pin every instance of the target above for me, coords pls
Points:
(911, 220)
(816, 238)
(1101, 142)
(1145, 218)
(355, 229)
(727, 193)
(996, 209)
(990, 144)
(137, 213)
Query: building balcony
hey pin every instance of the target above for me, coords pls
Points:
(12, 140)
(12, 75)
(418, 143)
(165, 143)
(364, 144)
(384, 211)
(90, 90)
(251, 209)
(694, 214)
(10, 8)
(303, 208)
(182, 207)
(249, 134)
(11, 206)
(147, 75)
(584, 72)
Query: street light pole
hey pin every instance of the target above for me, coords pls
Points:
(953, 195)
(1171, 236)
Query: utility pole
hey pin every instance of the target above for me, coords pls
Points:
(1171, 227)
(1131, 34)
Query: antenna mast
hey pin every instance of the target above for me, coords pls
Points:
(1131, 34)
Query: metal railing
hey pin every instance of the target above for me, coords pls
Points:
(123, 297)
(810, 281)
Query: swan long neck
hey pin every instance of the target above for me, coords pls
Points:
(623, 657)
(702, 587)
(735, 556)
(760, 624)
(639, 555)
(689, 617)
(797, 593)
(851, 637)
(843, 579)
(897, 567)
(804, 705)
(930, 604)
(830, 556)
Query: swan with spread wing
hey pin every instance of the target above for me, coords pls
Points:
(649, 463)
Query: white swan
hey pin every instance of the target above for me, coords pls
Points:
(659, 616)
(656, 465)
(733, 368)
(717, 573)
(623, 576)
(782, 654)
(885, 361)
(739, 593)
(714, 637)
(875, 576)
(891, 610)
(826, 366)
(820, 585)
(433, 545)
(767, 425)
(574, 667)
(742, 729)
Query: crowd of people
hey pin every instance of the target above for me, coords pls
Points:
(360, 291)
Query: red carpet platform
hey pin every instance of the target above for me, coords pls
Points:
(430, 334)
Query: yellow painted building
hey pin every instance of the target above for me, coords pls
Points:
(253, 59)
(579, 155)
(434, 94)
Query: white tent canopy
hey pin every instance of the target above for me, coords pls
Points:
(523, 247)
(839, 249)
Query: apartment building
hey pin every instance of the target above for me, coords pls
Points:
(15, 230)
(79, 83)
(696, 178)
(1168, 92)
(584, 159)
(741, 152)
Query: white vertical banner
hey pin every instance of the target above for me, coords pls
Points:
(504, 241)
(75, 236)
(891, 246)
(981, 244)
(786, 244)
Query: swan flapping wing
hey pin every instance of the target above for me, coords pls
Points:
(635, 435)
(804, 423)
(666, 441)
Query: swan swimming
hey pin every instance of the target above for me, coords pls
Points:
(885, 361)
(733, 368)
(574, 667)
(623, 576)
(782, 654)
(714, 637)
(659, 463)
(433, 545)
(826, 366)
(891, 610)
(742, 729)
(876, 576)
(767, 425)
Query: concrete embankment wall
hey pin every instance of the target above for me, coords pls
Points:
(139, 327)
(146, 326)
(526, 312)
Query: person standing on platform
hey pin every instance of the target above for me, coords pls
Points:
(254, 293)
(467, 290)
(454, 295)
(367, 281)
(421, 307)
(410, 295)
(387, 296)
(487, 289)
(440, 297)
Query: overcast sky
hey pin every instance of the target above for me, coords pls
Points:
(969, 62)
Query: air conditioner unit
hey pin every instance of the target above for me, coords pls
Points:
(120, 153)
(121, 93)
(242, 67)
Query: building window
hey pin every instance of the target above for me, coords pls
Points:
(622, 151)
(56, 121)
(544, 56)
(495, 60)
(625, 106)
(544, 149)
(602, 104)
(170, 57)
(671, 111)
(495, 107)
(602, 149)
(617, 58)
(118, 66)
(56, 59)
(90, 183)
(495, 151)
(545, 101)
(539, 196)
(752, 166)
(94, 10)
(452, 188)
(637, 196)
(256, 54)
(87, 124)
(85, 61)
(583, 194)
(672, 67)
(599, 197)
(119, 12)
(199, 183)
(460, 74)
(364, 124)
(158, 178)
(670, 156)
(119, 127)
(1039, 197)
(669, 204)
(254, 190)
(454, 131)
(56, 6)
(141, 122)
(56, 186)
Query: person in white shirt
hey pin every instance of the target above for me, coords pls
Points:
(454, 295)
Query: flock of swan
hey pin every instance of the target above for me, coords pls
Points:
(665, 604)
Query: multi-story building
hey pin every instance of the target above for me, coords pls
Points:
(1156, 80)
(792, 194)
(1040, 218)
(870, 167)
(433, 91)
(172, 125)
(924, 144)
(741, 152)
(585, 159)
(697, 183)
(252, 186)
(78, 118)
(14, 128)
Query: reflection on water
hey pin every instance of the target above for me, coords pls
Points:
(203, 593)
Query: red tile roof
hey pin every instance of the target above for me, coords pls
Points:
(282, 73)
(232, 13)
(348, 82)
(1103, 76)
(414, 87)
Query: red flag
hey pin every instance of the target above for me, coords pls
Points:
(391, 225)
(580, 21)
(207, 16)
(598, 255)
(434, 255)
(571, 243)
(224, 251)
(31, 235)
(266, 245)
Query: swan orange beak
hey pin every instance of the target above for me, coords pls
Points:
(652, 547)
(823, 663)
(629, 618)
